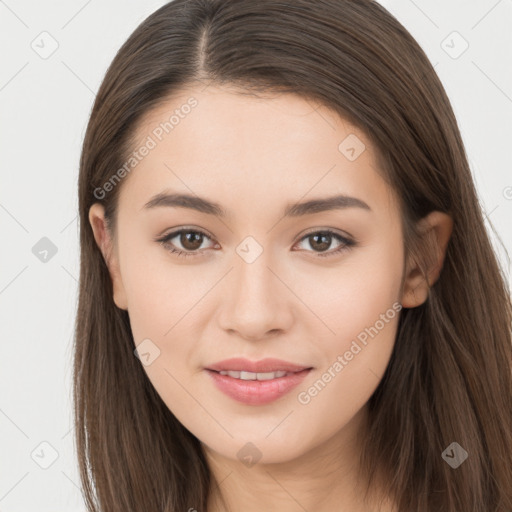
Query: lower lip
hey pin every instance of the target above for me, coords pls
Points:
(257, 392)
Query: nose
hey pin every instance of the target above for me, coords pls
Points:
(256, 302)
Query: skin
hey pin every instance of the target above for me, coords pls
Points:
(253, 156)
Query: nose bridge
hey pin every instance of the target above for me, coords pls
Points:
(255, 300)
(253, 280)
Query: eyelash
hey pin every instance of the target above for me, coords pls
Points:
(347, 243)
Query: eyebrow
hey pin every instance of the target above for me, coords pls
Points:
(202, 205)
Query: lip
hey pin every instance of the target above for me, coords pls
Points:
(262, 366)
(257, 392)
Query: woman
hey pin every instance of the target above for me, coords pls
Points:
(288, 299)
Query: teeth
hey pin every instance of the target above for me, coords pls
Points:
(254, 376)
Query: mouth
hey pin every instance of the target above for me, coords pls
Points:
(256, 388)
(264, 366)
(242, 375)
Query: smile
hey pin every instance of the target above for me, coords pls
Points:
(256, 388)
(255, 376)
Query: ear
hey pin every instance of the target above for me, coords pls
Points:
(107, 248)
(423, 270)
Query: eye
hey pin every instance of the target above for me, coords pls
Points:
(322, 240)
(190, 240)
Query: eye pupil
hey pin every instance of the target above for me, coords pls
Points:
(324, 244)
(189, 240)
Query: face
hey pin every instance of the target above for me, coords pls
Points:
(257, 275)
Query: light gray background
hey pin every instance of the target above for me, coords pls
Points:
(45, 103)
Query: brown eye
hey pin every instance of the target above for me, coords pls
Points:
(184, 242)
(320, 241)
(191, 240)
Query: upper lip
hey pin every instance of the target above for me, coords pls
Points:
(261, 366)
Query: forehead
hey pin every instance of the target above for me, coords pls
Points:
(227, 145)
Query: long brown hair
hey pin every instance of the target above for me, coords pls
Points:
(449, 378)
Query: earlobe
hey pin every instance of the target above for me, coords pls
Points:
(423, 270)
(106, 246)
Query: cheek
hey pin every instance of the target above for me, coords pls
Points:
(352, 296)
(164, 302)
(159, 292)
(362, 310)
